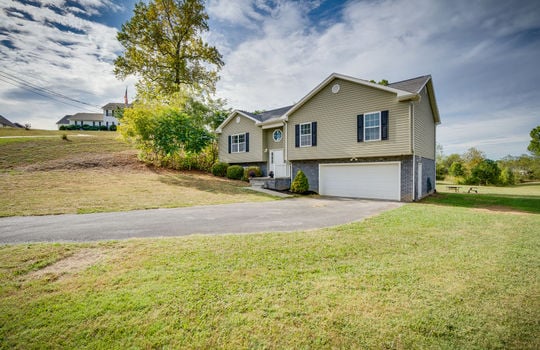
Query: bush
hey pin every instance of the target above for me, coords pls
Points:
(220, 169)
(300, 183)
(64, 137)
(62, 127)
(507, 177)
(251, 171)
(112, 127)
(103, 128)
(235, 172)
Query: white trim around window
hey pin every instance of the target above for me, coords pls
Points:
(238, 143)
(372, 126)
(305, 135)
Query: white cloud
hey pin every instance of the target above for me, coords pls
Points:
(61, 52)
(473, 50)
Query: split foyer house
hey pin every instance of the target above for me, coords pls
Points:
(351, 138)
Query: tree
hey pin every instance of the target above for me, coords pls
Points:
(381, 82)
(473, 157)
(486, 172)
(534, 145)
(163, 45)
(507, 177)
(457, 169)
(300, 183)
(163, 132)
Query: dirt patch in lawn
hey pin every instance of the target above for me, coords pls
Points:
(125, 159)
(71, 264)
(501, 209)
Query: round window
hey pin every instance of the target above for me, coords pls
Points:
(277, 135)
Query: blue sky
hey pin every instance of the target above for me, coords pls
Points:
(483, 57)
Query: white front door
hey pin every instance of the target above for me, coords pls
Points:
(277, 163)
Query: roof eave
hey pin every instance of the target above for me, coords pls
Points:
(402, 95)
(219, 129)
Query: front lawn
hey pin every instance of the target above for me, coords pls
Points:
(422, 276)
(97, 172)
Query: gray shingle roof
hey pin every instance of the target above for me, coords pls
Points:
(267, 115)
(115, 105)
(4, 121)
(64, 120)
(87, 116)
(413, 85)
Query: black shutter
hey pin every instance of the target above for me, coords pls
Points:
(384, 125)
(297, 135)
(247, 141)
(229, 143)
(360, 127)
(314, 133)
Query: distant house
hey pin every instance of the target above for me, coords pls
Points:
(18, 125)
(107, 118)
(4, 123)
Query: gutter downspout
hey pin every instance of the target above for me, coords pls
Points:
(286, 141)
(411, 115)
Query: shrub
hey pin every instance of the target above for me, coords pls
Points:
(235, 172)
(103, 128)
(65, 137)
(86, 127)
(62, 127)
(112, 127)
(300, 183)
(220, 169)
(251, 170)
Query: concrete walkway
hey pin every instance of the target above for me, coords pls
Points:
(283, 215)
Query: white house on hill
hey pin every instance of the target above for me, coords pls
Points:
(105, 119)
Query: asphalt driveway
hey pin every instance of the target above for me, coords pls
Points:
(282, 215)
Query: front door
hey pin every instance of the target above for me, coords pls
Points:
(277, 163)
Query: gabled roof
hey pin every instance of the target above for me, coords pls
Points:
(259, 118)
(414, 85)
(4, 121)
(115, 105)
(87, 116)
(402, 95)
(405, 90)
(64, 120)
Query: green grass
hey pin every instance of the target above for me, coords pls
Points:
(19, 152)
(98, 173)
(421, 276)
(524, 197)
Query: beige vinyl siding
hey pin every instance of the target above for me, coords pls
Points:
(270, 143)
(255, 153)
(424, 127)
(336, 117)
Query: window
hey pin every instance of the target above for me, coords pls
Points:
(372, 126)
(305, 135)
(276, 136)
(238, 143)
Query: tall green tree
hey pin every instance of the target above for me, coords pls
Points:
(534, 145)
(164, 46)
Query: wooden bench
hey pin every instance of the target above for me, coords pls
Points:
(473, 189)
(454, 188)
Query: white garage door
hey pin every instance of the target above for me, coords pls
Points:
(366, 180)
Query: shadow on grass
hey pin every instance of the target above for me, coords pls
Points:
(495, 202)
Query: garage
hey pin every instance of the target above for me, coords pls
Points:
(361, 180)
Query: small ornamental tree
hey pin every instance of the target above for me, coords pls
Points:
(300, 183)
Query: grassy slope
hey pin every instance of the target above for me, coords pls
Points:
(65, 188)
(421, 276)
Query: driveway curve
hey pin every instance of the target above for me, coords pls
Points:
(274, 216)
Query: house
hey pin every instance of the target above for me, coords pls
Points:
(4, 123)
(107, 118)
(351, 138)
